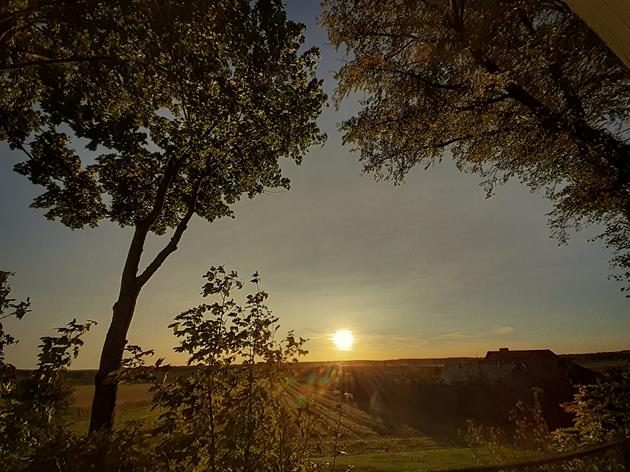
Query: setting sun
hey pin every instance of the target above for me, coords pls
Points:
(343, 339)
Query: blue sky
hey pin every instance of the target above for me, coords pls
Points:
(429, 268)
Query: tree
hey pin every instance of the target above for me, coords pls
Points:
(183, 106)
(33, 408)
(233, 411)
(601, 412)
(234, 408)
(508, 88)
(600, 415)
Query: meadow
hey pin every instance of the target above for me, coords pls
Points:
(372, 439)
(367, 443)
(363, 446)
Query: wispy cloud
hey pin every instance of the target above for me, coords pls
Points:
(473, 335)
(453, 335)
(502, 330)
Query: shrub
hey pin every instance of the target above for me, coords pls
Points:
(601, 413)
(231, 412)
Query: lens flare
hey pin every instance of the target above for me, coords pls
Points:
(343, 339)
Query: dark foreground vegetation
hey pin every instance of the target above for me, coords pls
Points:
(245, 404)
(229, 412)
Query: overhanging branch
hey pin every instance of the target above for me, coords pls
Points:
(65, 60)
(417, 77)
(480, 104)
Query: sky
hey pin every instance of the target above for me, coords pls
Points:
(430, 268)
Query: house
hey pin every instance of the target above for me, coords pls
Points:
(475, 372)
(488, 389)
(543, 365)
(531, 366)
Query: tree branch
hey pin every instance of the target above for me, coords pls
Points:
(382, 34)
(448, 142)
(171, 247)
(490, 101)
(610, 152)
(170, 172)
(400, 49)
(417, 77)
(160, 197)
(66, 60)
(133, 257)
(486, 134)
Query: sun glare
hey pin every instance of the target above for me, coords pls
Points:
(343, 339)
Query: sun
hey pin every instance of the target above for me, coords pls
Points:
(343, 339)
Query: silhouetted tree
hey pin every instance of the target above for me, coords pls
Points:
(234, 408)
(601, 411)
(508, 88)
(185, 106)
(232, 412)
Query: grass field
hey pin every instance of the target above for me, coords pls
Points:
(133, 404)
(366, 446)
(370, 441)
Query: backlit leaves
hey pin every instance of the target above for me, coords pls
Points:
(203, 98)
(230, 412)
(507, 88)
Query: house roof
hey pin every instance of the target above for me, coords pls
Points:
(520, 356)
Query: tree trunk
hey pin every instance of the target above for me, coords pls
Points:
(105, 390)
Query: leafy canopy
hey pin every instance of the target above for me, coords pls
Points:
(508, 88)
(148, 112)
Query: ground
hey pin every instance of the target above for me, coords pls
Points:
(364, 449)
(368, 444)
